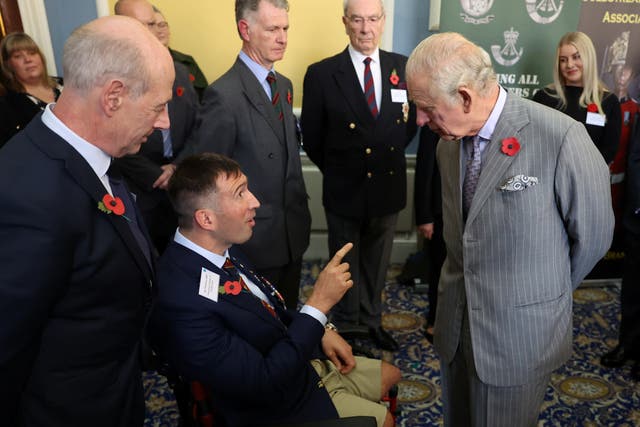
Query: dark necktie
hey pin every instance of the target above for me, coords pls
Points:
(231, 269)
(275, 95)
(120, 190)
(369, 88)
(472, 174)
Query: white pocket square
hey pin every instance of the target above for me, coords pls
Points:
(518, 183)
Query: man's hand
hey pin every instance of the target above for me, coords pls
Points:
(426, 230)
(334, 280)
(338, 351)
(163, 180)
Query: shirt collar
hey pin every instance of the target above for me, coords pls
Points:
(256, 69)
(215, 259)
(359, 57)
(490, 125)
(97, 159)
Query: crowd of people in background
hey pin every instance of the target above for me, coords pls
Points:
(164, 217)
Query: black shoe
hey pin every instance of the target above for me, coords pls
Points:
(382, 339)
(615, 358)
(635, 371)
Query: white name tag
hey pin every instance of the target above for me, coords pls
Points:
(399, 95)
(596, 119)
(209, 283)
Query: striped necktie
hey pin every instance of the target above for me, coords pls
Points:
(275, 95)
(369, 88)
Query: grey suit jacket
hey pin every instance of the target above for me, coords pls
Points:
(520, 254)
(237, 119)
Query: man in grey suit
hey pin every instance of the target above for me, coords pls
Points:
(247, 115)
(527, 213)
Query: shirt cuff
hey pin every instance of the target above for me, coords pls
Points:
(315, 313)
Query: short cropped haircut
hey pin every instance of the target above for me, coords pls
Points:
(92, 57)
(346, 3)
(451, 61)
(193, 184)
(245, 7)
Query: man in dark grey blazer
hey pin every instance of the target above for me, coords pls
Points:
(248, 118)
(527, 214)
(356, 122)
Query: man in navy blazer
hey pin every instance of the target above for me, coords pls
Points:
(355, 130)
(76, 266)
(219, 323)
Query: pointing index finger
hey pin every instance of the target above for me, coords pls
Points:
(340, 254)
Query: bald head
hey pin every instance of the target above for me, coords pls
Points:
(113, 46)
(140, 10)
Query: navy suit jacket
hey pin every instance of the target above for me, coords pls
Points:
(74, 285)
(361, 157)
(631, 219)
(255, 366)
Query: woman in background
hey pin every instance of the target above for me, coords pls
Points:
(578, 92)
(23, 72)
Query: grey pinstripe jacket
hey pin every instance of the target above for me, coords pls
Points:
(522, 253)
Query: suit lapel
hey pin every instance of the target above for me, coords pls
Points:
(86, 178)
(496, 163)
(347, 80)
(256, 96)
(386, 67)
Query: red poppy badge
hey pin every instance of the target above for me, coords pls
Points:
(110, 204)
(394, 78)
(592, 108)
(510, 146)
(179, 91)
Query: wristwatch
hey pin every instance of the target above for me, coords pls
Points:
(331, 327)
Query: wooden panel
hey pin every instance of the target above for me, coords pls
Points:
(10, 20)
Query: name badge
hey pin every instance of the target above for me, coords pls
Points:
(596, 119)
(399, 95)
(209, 283)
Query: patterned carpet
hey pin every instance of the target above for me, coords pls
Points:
(582, 393)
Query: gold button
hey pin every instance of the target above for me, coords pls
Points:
(398, 121)
(368, 151)
(392, 148)
(352, 125)
(369, 174)
(390, 172)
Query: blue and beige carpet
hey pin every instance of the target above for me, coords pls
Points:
(582, 393)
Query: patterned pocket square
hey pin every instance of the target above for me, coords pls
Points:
(518, 183)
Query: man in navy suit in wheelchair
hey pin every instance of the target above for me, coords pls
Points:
(218, 323)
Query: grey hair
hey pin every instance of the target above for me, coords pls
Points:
(345, 6)
(451, 61)
(91, 57)
(245, 7)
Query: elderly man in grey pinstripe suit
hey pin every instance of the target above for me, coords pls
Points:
(527, 214)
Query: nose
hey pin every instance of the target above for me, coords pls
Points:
(162, 122)
(254, 203)
(282, 37)
(422, 118)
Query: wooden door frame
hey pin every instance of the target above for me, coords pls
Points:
(10, 20)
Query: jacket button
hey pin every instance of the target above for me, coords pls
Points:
(390, 172)
(392, 148)
(271, 156)
(398, 121)
(352, 125)
(368, 150)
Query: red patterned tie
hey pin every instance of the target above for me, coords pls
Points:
(369, 88)
(233, 271)
(275, 95)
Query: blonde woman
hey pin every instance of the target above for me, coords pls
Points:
(578, 92)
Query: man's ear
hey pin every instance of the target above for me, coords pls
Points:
(205, 219)
(465, 94)
(112, 96)
(243, 29)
